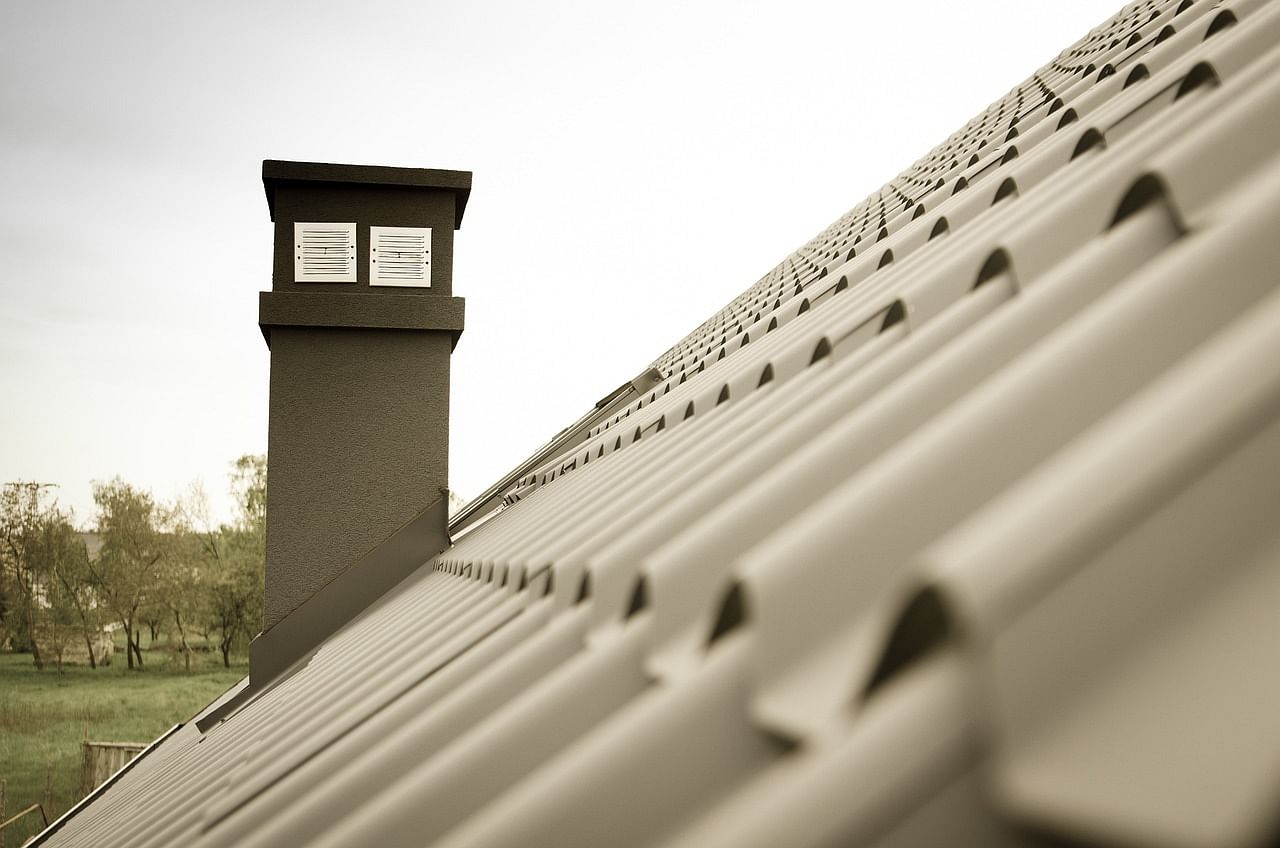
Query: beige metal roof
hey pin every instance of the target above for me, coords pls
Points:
(958, 527)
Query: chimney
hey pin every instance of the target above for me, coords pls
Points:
(360, 321)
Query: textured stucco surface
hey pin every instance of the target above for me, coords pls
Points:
(368, 206)
(381, 311)
(358, 438)
(358, 446)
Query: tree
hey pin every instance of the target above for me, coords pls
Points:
(183, 578)
(234, 590)
(179, 585)
(132, 546)
(72, 603)
(237, 588)
(241, 587)
(249, 487)
(21, 509)
(234, 558)
(56, 625)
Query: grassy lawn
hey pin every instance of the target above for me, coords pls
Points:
(44, 715)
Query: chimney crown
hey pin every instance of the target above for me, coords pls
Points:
(280, 172)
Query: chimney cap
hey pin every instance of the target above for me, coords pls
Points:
(276, 171)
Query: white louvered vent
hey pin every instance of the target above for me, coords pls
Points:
(400, 256)
(324, 253)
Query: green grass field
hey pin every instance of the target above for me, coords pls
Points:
(44, 715)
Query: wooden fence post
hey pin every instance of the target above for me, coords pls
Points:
(86, 769)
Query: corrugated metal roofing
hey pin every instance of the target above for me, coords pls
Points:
(958, 527)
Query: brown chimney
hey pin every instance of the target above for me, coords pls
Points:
(361, 322)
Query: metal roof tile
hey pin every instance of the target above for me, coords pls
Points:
(992, 541)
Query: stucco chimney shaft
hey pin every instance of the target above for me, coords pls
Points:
(361, 323)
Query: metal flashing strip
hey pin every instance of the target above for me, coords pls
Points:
(349, 594)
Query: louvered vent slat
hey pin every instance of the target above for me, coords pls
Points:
(324, 253)
(400, 256)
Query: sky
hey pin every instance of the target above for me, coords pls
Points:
(636, 166)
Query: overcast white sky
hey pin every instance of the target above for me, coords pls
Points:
(636, 166)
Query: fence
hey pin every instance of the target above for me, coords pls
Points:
(100, 760)
(5, 822)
